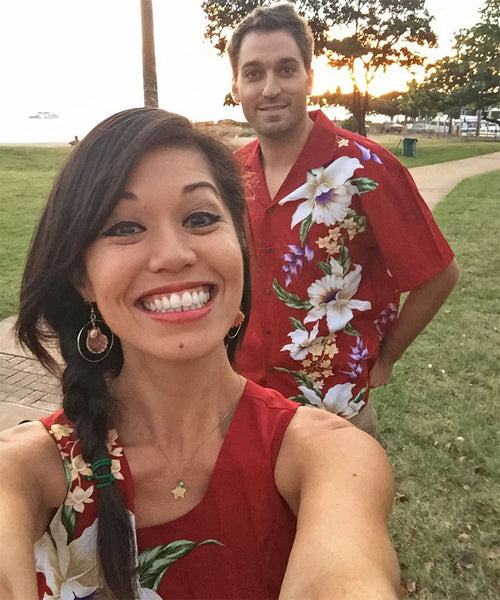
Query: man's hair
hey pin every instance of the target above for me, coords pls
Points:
(280, 17)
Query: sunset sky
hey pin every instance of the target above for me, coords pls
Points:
(82, 58)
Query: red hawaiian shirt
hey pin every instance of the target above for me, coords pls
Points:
(346, 233)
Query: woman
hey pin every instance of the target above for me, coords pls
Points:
(167, 475)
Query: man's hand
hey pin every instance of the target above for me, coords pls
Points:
(381, 373)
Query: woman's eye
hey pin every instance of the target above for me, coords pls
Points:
(123, 229)
(200, 219)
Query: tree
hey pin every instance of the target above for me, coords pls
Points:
(364, 36)
(148, 56)
(470, 77)
(421, 100)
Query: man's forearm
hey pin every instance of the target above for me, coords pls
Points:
(418, 310)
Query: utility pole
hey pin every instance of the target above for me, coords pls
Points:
(148, 55)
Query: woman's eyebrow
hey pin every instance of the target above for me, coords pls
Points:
(124, 195)
(191, 187)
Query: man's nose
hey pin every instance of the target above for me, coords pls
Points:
(272, 86)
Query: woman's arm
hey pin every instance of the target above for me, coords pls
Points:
(32, 485)
(338, 481)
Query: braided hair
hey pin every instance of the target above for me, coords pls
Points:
(51, 309)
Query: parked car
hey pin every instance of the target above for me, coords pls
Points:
(417, 127)
(392, 127)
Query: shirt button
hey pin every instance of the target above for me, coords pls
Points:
(268, 331)
(270, 210)
(269, 250)
(268, 292)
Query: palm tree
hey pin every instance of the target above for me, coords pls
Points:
(148, 55)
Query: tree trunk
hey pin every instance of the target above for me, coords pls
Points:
(358, 109)
(148, 55)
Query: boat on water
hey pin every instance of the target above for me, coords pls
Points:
(44, 115)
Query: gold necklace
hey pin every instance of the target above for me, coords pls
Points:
(180, 489)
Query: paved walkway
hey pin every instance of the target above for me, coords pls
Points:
(27, 391)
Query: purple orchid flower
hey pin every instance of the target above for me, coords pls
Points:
(358, 353)
(295, 259)
(367, 154)
(386, 317)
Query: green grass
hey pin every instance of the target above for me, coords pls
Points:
(439, 417)
(26, 175)
(430, 151)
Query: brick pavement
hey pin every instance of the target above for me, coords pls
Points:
(27, 390)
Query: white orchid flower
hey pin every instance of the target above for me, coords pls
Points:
(332, 296)
(71, 570)
(327, 191)
(337, 400)
(311, 396)
(301, 341)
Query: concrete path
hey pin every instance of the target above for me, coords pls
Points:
(436, 181)
(28, 392)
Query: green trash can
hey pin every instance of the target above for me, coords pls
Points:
(409, 146)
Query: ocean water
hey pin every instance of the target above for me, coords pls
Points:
(23, 130)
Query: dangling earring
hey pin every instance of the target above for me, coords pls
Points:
(95, 339)
(238, 322)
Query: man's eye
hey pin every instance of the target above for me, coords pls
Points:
(200, 219)
(123, 229)
(287, 71)
(252, 75)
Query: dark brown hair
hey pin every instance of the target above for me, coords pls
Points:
(82, 198)
(280, 17)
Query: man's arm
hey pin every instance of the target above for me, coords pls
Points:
(338, 482)
(418, 310)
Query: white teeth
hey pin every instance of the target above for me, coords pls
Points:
(187, 299)
(175, 301)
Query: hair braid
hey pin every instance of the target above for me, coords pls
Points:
(86, 401)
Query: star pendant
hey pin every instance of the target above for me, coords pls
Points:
(179, 491)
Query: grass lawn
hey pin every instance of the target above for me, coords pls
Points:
(430, 151)
(26, 175)
(439, 417)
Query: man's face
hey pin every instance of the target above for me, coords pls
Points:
(272, 84)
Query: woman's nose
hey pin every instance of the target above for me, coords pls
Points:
(171, 251)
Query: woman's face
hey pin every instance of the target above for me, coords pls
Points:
(166, 271)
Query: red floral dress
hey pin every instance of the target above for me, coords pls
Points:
(233, 545)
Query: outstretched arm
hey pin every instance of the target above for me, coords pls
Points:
(338, 482)
(32, 483)
(418, 310)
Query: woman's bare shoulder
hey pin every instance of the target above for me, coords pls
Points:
(320, 446)
(30, 458)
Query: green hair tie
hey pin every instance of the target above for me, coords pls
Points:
(104, 479)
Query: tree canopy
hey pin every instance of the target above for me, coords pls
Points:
(470, 77)
(364, 36)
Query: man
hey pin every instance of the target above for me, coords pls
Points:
(338, 230)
